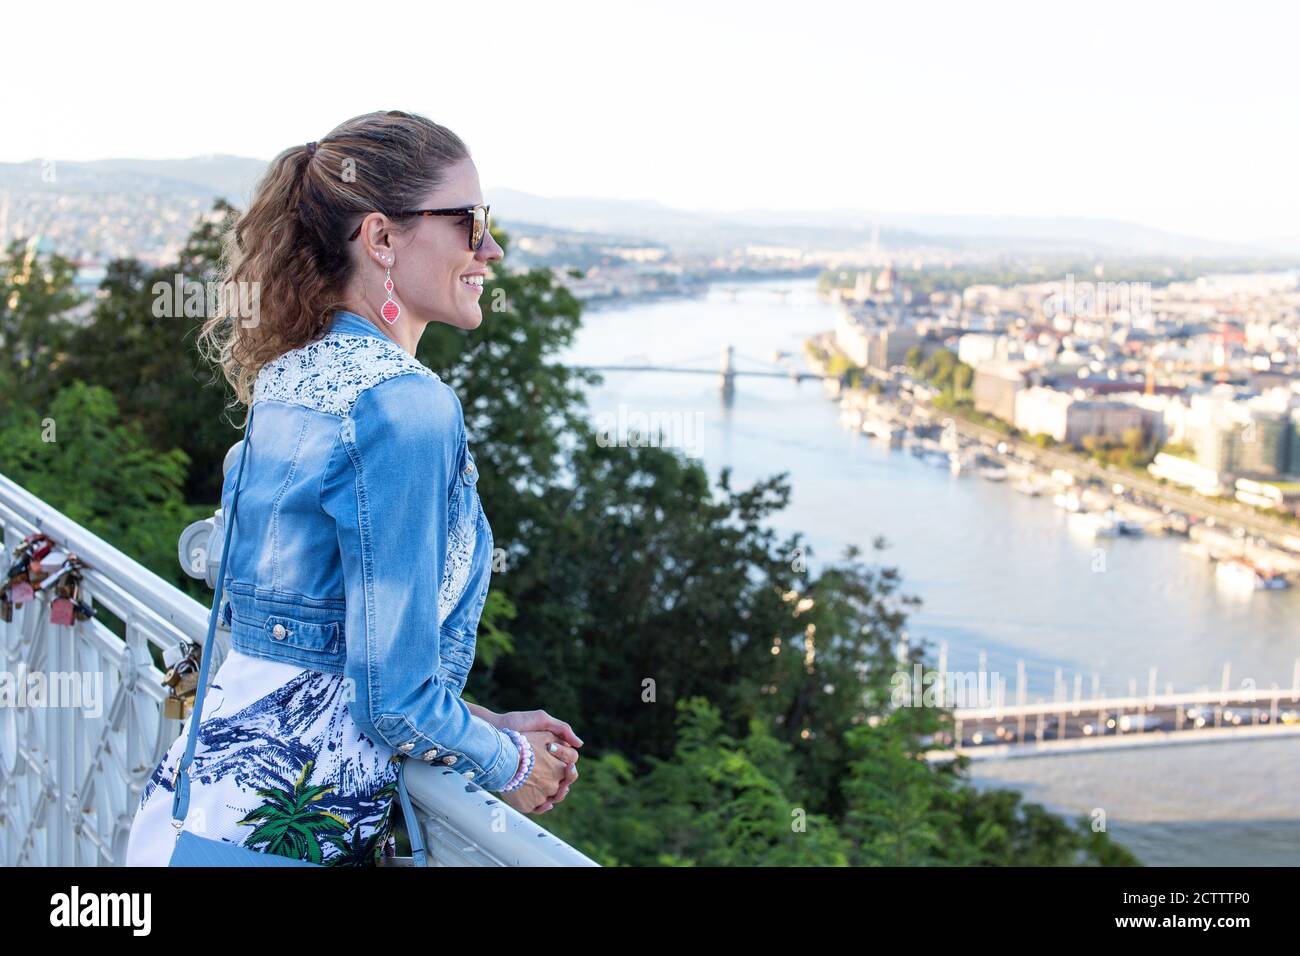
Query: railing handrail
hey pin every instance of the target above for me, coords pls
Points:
(463, 823)
(446, 802)
(169, 602)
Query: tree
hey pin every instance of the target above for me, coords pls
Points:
(894, 817)
(139, 345)
(717, 801)
(36, 294)
(81, 458)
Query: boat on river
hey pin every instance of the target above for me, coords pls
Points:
(1240, 574)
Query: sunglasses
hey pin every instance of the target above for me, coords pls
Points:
(480, 217)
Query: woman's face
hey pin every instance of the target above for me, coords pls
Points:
(432, 262)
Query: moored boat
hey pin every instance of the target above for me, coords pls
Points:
(1240, 574)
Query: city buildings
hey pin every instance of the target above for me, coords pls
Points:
(1069, 417)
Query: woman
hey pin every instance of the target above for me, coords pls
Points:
(360, 555)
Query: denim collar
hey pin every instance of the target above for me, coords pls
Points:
(349, 323)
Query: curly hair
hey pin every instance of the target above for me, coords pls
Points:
(290, 246)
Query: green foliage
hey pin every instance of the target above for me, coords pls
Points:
(838, 364)
(942, 369)
(79, 456)
(895, 817)
(36, 294)
(139, 344)
(717, 801)
(1132, 451)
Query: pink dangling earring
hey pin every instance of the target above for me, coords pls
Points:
(390, 309)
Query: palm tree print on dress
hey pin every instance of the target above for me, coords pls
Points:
(357, 849)
(290, 763)
(288, 825)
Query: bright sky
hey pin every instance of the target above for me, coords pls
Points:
(1183, 116)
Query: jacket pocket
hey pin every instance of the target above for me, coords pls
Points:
(468, 467)
(318, 637)
(463, 505)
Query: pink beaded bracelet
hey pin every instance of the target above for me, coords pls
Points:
(525, 761)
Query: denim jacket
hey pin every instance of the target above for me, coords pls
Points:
(360, 547)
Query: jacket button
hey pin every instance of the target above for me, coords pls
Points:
(469, 774)
(429, 754)
(278, 632)
(407, 747)
(449, 760)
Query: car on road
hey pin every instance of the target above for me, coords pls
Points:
(1130, 723)
(1096, 726)
(1217, 715)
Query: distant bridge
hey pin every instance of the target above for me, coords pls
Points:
(726, 371)
(1072, 724)
(1122, 722)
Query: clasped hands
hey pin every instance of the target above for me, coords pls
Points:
(555, 758)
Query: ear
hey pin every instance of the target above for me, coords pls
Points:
(376, 238)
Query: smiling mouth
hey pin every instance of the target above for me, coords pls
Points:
(474, 282)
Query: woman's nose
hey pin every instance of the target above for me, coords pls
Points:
(490, 251)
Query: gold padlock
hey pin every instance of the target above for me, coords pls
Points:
(177, 708)
(186, 684)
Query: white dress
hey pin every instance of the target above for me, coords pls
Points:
(279, 766)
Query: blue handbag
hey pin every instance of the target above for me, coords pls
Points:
(194, 850)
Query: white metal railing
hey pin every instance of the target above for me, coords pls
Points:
(74, 761)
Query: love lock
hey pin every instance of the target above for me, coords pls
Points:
(27, 557)
(61, 611)
(24, 573)
(181, 681)
(67, 607)
(21, 592)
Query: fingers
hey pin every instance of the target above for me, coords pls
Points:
(564, 787)
(560, 794)
(540, 720)
(569, 775)
(559, 734)
(560, 729)
(562, 752)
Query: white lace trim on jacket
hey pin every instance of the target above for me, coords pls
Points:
(328, 375)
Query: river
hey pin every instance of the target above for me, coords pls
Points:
(998, 573)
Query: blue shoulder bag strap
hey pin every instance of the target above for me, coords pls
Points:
(181, 798)
(418, 855)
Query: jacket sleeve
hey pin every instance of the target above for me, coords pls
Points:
(387, 486)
